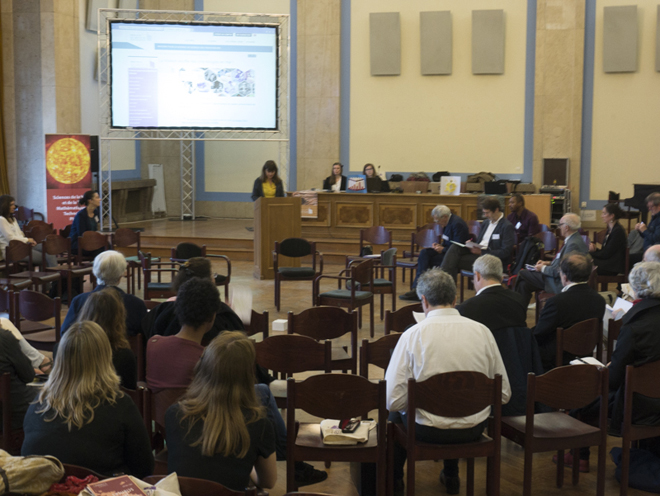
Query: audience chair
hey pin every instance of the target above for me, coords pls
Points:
(360, 276)
(25, 215)
(452, 394)
(66, 231)
(642, 380)
(191, 486)
(155, 405)
(38, 232)
(185, 251)
(469, 275)
(321, 323)
(32, 310)
(288, 354)
(613, 330)
(376, 236)
(540, 297)
(561, 389)
(258, 324)
(156, 289)
(12, 439)
(550, 244)
(382, 286)
(57, 245)
(137, 395)
(125, 238)
(474, 226)
(8, 288)
(580, 339)
(402, 319)
(543, 228)
(90, 241)
(422, 238)
(335, 396)
(295, 248)
(15, 252)
(139, 350)
(604, 281)
(377, 353)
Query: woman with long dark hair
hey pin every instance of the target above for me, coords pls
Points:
(336, 181)
(85, 220)
(269, 184)
(610, 258)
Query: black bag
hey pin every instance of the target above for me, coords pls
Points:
(366, 251)
(396, 178)
(436, 177)
(529, 252)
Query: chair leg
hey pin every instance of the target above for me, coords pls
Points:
(360, 317)
(469, 489)
(560, 468)
(290, 474)
(277, 294)
(382, 304)
(600, 481)
(527, 473)
(371, 316)
(227, 293)
(410, 477)
(576, 465)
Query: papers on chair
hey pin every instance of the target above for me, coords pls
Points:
(332, 434)
(241, 303)
(586, 361)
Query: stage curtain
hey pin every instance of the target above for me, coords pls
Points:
(4, 180)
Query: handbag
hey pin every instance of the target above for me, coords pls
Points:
(28, 474)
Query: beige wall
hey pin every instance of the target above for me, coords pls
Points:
(461, 122)
(626, 118)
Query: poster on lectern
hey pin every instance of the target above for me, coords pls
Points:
(68, 175)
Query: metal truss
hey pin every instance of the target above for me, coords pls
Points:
(187, 179)
(105, 217)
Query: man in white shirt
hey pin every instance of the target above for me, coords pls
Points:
(443, 342)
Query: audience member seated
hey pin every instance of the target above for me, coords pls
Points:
(21, 372)
(81, 416)
(87, 219)
(610, 258)
(109, 267)
(219, 431)
(525, 222)
(107, 310)
(336, 182)
(171, 360)
(652, 254)
(576, 302)
(651, 232)
(443, 342)
(370, 171)
(545, 275)
(37, 359)
(497, 237)
(453, 229)
(162, 320)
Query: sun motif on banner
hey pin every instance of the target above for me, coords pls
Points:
(67, 160)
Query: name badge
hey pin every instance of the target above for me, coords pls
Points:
(496, 236)
(518, 225)
(445, 237)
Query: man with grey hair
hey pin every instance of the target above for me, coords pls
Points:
(443, 342)
(652, 254)
(545, 275)
(453, 229)
(109, 267)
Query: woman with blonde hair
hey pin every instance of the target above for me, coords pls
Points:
(218, 430)
(107, 310)
(81, 416)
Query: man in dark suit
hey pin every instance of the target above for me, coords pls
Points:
(545, 275)
(497, 237)
(575, 303)
(453, 229)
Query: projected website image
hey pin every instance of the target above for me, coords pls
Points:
(222, 82)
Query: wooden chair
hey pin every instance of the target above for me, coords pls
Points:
(137, 395)
(321, 323)
(66, 231)
(15, 252)
(57, 245)
(360, 276)
(258, 324)
(403, 318)
(156, 289)
(138, 348)
(12, 439)
(191, 486)
(288, 354)
(155, 406)
(184, 251)
(580, 339)
(25, 215)
(561, 389)
(8, 288)
(334, 396)
(604, 281)
(32, 309)
(381, 285)
(376, 236)
(452, 394)
(613, 330)
(40, 231)
(419, 240)
(295, 248)
(642, 380)
(125, 238)
(90, 241)
(541, 298)
(377, 353)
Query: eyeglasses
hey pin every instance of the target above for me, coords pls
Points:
(561, 224)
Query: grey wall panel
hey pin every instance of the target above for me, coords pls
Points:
(435, 42)
(657, 42)
(620, 38)
(488, 41)
(385, 43)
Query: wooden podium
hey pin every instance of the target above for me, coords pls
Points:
(275, 219)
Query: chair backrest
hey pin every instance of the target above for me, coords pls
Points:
(641, 380)
(474, 226)
(258, 323)
(39, 232)
(434, 226)
(403, 318)
(424, 239)
(38, 307)
(292, 353)
(321, 323)
(613, 330)
(138, 348)
(593, 279)
(16, 251)
(599, 236)
(376, 235)
(544, 227)
(66, 231)
(580, 339)
(377, 353)
(363, 273)
(549, 241)
(57, 245)
(136, 395)
(124, 237)
(24, 214)
(568, 387)
(5, 398)
(184, 251)
(388, 257)
(91, 241)
(295, 247)
(156, 404)
(191, 486)
(585, 238)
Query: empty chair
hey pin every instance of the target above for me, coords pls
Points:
(403, 318)
(377, 353)
(258, 324)
(381, 285)
(92, 243)
(295, 248)
(33, 309)
(156, 289)
(125, 238)
(61, 247)
(17, 251)
(376, 236)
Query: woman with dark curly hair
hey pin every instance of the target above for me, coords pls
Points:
(269, 184)
(610, 258)
(85, 220)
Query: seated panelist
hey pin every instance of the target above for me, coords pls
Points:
(369, 171)
(336, 182)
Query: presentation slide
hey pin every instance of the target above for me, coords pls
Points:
(193, 76)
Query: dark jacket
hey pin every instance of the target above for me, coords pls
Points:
(551, 272)
(501, 241)
(496, 307)
(652, 234)
(81, 224)
(455, 230)
(135, 310)
(612, 255)
(638, 343)
(329, 181)
(578, 303)
(258, 189)
(20, 370)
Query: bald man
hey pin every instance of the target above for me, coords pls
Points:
(652, 254)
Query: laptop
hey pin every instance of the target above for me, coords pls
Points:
(373, 185)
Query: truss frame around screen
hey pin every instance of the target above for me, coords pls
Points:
(107, 133)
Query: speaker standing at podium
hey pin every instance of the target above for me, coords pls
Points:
(269, 184)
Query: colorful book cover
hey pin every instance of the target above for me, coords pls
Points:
(119, 486)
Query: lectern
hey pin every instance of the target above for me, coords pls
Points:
(275, 219)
